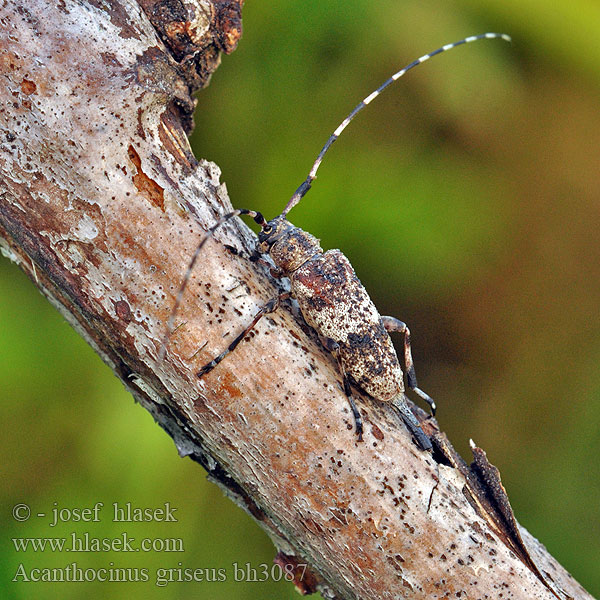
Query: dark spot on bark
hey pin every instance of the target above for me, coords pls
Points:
(377, 433)
(110, 59)
(28, 87)
(123, 310)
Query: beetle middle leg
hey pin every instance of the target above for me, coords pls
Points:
(334, 348)
(271, 306)
(393, 325)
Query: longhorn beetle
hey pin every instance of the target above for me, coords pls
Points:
(331, 298)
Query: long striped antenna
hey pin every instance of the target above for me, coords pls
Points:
(305, 186)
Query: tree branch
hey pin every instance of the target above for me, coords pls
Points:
(103, 204)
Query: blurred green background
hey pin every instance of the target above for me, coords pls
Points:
(466, 198)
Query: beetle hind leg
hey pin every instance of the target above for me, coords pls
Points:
(393, 325)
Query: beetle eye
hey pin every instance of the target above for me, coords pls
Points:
(267, 229)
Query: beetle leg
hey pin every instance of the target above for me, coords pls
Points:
(423, 441)
(393, 325)
(334, 348)
(255, 257)
(269, 307)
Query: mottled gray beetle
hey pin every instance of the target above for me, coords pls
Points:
(332, 299)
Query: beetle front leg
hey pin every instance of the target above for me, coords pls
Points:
(256, 257)
(393, 325)
(334, 348)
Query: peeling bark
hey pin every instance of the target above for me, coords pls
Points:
(103, 204)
